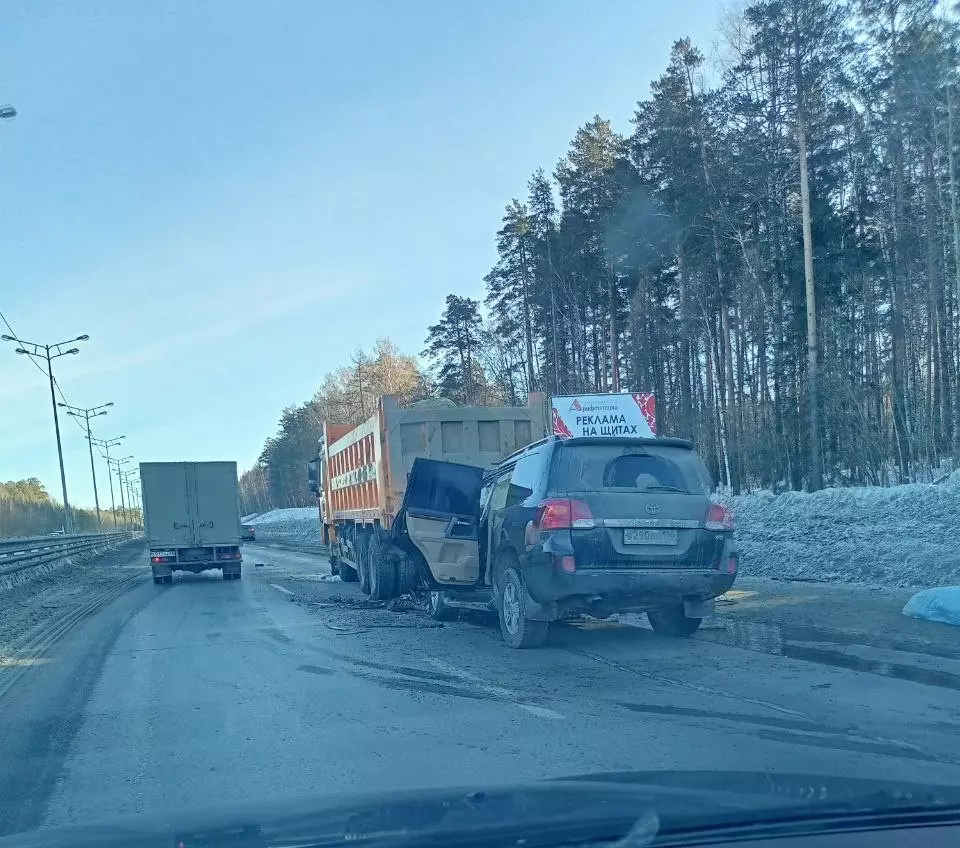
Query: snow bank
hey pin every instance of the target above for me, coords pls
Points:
(902, 536)
(941, 604)
(299, 524)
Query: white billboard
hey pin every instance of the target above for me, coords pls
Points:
(605, 415)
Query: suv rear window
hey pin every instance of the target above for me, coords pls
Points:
(640, 468)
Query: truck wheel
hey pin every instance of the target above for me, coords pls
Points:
(383, 578)
(518, 630)
(347, 574)
(672, 622)
(437, 606)
(157, 581)
(360, 548)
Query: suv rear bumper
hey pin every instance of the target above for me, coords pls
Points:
(623, 589)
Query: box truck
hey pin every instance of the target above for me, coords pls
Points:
(191, 514)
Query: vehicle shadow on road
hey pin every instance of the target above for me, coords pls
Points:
(207, 578)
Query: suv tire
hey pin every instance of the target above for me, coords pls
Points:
(438, 609)
(518, 630)
(673, 622)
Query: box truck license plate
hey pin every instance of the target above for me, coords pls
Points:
(644, 536)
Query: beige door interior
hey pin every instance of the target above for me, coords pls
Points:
(450, 559)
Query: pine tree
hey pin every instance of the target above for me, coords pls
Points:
(452, 345)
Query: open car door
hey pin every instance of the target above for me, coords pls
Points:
(439, 517)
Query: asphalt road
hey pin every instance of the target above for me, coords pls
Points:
(285, 683)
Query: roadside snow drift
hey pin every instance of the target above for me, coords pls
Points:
(902, 536)
(299, 524)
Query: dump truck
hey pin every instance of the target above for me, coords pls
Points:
(191, 513)
(360, 477)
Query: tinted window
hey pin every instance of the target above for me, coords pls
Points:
(445, 487)
(624, 467)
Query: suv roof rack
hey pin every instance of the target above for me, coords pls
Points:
(526, 448)
(664, 441)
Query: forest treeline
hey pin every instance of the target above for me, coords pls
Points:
(773, 248)
(26, 509)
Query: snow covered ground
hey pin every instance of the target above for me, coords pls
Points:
(898, 537)
(300, 524)
(902, 536)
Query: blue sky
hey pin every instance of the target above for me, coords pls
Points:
(230, 196)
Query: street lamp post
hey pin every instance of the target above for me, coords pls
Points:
(49, 353)
(128, 482)
(116, 463)
(106, 444)
(86, 415)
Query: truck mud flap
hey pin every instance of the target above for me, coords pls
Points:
(383, 566)
(409, 579)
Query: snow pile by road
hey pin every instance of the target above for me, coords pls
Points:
(299, 524)
(902, 536)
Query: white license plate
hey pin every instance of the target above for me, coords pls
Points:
(649, 537)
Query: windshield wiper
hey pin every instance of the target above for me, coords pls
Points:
(666, 489)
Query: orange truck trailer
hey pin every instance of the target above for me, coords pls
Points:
(360, 475)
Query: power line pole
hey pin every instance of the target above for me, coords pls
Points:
(123, 506)
(86, 415)
(106, 444)
(48, 353)
(128, 482)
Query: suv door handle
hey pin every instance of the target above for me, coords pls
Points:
(454, 523)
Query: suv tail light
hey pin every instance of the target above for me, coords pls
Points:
(564, 514)
(559, 514)
(719, 518)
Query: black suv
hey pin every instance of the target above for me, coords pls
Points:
(595, 525)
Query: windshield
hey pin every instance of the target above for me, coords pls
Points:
(451, 397)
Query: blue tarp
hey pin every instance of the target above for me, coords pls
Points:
(940, 604)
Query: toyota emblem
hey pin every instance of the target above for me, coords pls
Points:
(653, 509)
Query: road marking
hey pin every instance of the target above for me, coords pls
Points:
(542, 712)
(498, 692)
(283, 589)
(695, 687)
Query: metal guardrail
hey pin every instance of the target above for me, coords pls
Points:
(19, 554)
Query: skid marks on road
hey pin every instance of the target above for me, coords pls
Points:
(446, 680)
(35, 647)
(786, 725)
(595, 671)
(573, 681)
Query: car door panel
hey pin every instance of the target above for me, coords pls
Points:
(439, 515)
